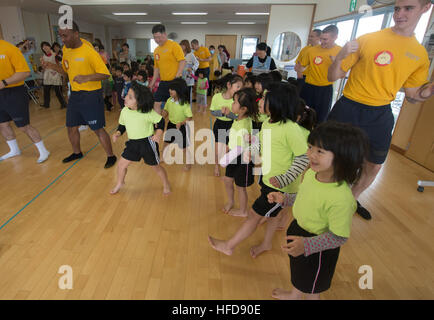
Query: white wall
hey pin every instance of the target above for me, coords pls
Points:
(11, 21)
(36, 25)
(295, 18)
(198, 32)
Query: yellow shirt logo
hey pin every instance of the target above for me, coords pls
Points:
(318, 60)
(383, 58)
(66, 63)
(157, 57)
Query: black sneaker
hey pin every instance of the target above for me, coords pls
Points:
(110, 162)
(363, 212)
(73, 157)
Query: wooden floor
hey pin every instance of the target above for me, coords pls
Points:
(141, 245)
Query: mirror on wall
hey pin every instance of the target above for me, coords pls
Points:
(286, 46)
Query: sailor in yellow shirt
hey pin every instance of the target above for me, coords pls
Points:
(381, 64)
(169, 63)
(318, 90)
(85, 70)
(313, 40)
(14, 101)
(203, 56)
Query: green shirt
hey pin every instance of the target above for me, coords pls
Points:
(237, 132)
(262, 117)
(177, 113)
(322, 207)
(139, 125)
(280, 144)
(201, 83)
(218, 102)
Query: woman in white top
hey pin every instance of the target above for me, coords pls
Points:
(51, 78)
(191, 66)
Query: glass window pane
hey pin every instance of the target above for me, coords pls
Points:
(248, 47)
(153, 45)
(369, 24)
(345, 31)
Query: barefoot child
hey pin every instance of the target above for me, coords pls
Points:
(138, 119)
(221, 105)
(323, 209)
(240, 172)
(177, 108)
(283, 147)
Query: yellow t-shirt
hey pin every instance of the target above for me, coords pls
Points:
(322, 207)
(218, 102)
(384, 63)
(318, 60)
(167, 58)
(177, 113)
(203, 53)
(301, 55)
(83, 60)
(11, 62)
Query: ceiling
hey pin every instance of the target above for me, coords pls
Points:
(93, 11)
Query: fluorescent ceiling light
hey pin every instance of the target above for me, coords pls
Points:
(148, 22)
(189, 13)
(241, 22)
(130, 13)
(194, 22)
(252, 13)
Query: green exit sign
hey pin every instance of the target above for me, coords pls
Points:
(353, 5)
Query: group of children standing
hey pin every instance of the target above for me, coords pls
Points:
(308, 167)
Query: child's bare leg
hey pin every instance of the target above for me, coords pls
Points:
(246, 229)
(122, 172)
(313, 296)
(267, 243)
(187, 159)
(162, 159)
(281, 294)
(242, 196)
(283, 220)
(229, 186)
(163, 175)
(217, 158)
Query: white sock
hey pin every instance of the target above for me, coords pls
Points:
(43, 152)
(15, 150)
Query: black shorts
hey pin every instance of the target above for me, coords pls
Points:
(312, 274)
(242, 173)
(162, 93)
(318, 98)
(221, 130)
(376, 122)
(179, 136)
(261, 205)
(145, 149)
(14, 106)
(86, 108)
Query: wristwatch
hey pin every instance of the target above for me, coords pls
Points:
(5, 83)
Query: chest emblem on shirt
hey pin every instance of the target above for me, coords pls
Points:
(66, 64)
(383, 58)
(318, 60)
(2, 56)
(157, 57)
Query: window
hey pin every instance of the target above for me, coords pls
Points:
(153, 45)
(369, 24)
(248, 47)
(345, 31)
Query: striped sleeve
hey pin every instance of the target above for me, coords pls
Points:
(299, 165)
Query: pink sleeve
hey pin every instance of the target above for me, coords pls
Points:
(207, 85)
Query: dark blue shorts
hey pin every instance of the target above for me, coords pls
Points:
(86, 108)
(376, 122)
(14, 106)
(318, 98)
(162, 94)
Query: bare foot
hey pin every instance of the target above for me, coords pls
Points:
(283, 223)
(217, 171)
(166, 190)
(187, 167)
(219, 245)
(116, 188)
(238, 213)
(228, 206)
(281, 294)
(255, 251)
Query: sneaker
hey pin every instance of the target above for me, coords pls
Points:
(363, 212)
(110, 162)
(73, 157)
